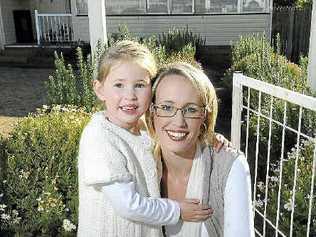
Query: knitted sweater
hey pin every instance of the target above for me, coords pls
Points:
(207, 182)
(107, 154)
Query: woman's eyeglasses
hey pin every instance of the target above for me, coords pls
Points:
(188, 111)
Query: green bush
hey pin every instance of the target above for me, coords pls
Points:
(67, 86)
(254, 57)
(302, 195)
(39, 194)
(177, 39)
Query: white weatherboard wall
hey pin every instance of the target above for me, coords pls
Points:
(218, 29)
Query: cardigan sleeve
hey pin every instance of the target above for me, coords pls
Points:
(238, 216)
(101, 161)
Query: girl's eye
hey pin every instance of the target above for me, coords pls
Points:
(118, 85)
(139, 85)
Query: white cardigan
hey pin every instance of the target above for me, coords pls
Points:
(110, 154)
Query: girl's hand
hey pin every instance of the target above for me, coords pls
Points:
(192, 211)
(221, 142)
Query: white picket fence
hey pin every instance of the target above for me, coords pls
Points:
(53, 28)
(283, 193)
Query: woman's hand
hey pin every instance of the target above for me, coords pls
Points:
(220, 142)
(192, 211)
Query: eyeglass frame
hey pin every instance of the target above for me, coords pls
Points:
(154, 107)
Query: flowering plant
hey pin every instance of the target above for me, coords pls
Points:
(39, 193)
(298, 202)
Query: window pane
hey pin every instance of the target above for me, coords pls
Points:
(225, 6)
(253, 5)
(182, 6)
(158, 6)
(124, 7)
(82, 7)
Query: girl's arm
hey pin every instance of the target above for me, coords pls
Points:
(154, 211)
(238, 216)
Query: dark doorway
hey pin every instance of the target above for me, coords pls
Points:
(23, 26)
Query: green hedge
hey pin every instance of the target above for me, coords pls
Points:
(39, 193)
(254, 57)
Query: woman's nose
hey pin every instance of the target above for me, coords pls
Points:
(179, 119)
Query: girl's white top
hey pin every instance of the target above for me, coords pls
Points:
(109, 154)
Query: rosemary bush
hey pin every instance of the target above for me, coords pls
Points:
(254, 57)
(39, 193)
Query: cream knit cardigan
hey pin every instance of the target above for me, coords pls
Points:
(108, 154)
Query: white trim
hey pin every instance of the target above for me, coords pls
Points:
(312, 50)
(279, 92)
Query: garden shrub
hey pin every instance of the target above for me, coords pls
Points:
(177, 39)
(39, 195)
(67, 86)
(302, 195)
(254, 57)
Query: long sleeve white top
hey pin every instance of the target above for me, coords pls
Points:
(238, 220)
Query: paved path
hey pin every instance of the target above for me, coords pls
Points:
(22, 90)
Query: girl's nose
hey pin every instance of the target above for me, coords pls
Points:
(130, 94)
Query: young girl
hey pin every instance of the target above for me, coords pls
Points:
(118, 180)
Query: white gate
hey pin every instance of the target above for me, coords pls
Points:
(276, 129)
(53, 28)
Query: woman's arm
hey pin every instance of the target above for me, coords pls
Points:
(129, 204)
(238, 216)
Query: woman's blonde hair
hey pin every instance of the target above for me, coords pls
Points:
(206, 92)
(126, 50)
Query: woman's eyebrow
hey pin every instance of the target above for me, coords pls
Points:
(167, 101)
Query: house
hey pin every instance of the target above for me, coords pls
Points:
(221, 22)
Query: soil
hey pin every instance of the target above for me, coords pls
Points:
(22, 90)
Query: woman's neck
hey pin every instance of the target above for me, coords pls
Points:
(177, 165)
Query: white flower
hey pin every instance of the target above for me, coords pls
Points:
(68, 226)
(289, 205)
(2, 207)
(5, 217)
(274, 179)
(1, 195)
(259, 203)
(260, 185)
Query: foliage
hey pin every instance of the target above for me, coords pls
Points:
(177, 39)
(39, 193)
(302, 196)
(254, 57)
(297, 3)
(67, 86)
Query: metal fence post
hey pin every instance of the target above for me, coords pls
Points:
(236, 110)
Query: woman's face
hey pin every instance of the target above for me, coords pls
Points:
(178, 134)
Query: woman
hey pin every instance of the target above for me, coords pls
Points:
(181, 121)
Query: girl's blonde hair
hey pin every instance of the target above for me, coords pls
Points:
(126, 50)
(206, 92)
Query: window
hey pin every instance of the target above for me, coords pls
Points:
(82, 7)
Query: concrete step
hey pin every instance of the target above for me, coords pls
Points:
(4, 59)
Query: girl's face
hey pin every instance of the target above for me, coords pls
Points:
(126, 92)
(178, 134)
